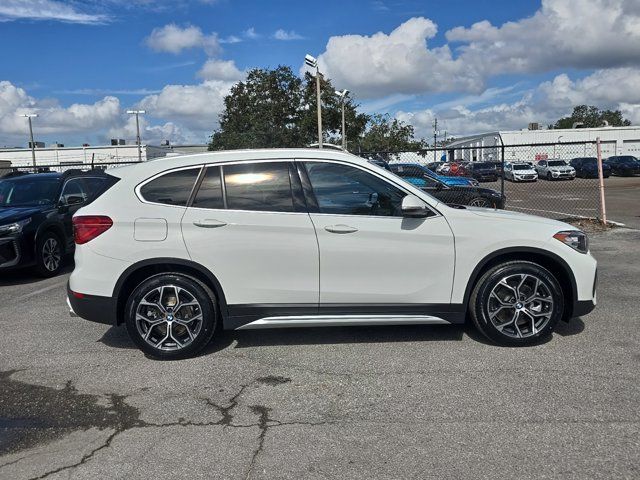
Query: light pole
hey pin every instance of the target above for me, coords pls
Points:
(137, 113)
(554, 146)
(342, 94)
(29, 116)
(313, 63)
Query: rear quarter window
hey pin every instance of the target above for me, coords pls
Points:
(173, 188)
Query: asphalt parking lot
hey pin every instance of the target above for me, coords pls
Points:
(77, 400)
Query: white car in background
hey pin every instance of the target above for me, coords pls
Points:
(555, 169)
(520, 172)
(180, 247)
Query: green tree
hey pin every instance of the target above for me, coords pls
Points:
(387, 134)
(592, 117)
(275, 108)
(261, 112)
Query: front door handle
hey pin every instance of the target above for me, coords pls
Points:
(209, 223)
(340, 229)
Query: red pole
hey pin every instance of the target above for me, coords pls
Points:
(603, 208)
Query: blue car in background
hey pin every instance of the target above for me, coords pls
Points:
(415, 174)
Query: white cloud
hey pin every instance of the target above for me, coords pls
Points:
(281, 34)
(616, 89)
(174, 39)
(231, 39)
(52, 118)
(215, 69)
(194, 106)
(251, 33)
(46, 10)
(580, 34)
(400, 62)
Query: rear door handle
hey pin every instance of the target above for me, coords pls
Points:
(209, 223)
(340, 229)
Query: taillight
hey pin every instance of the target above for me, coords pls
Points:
(88, 227)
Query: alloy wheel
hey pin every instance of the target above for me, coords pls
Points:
(520, 305)
(51, 254)
(169, 318)
(478, 202)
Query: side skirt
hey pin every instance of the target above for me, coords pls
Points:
(298, 315)
(344, 320)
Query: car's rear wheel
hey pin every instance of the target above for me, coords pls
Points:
(49, 254)
(171, 316)
(516, 303)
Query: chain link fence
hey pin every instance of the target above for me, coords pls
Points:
(63, 167)
(555, 180)
(552, 180)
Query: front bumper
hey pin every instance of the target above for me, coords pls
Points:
(563, 175)
(10, 252)
(92, 307)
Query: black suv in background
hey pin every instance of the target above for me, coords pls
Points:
(482, 171)
(587, 167)
(35, 216)
(623, 165)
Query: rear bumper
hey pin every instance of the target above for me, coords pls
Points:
(92, 307)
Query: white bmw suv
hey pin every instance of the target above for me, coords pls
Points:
(180, 247)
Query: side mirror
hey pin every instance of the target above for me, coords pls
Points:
(412, 206)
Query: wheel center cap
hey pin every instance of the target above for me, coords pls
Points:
(519, 306)
(170, 318)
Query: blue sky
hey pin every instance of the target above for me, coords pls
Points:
(71, 60)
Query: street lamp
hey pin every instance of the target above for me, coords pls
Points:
(313, 63)
(342, 94)
(29, 116)
(554, 146)
(137, 113)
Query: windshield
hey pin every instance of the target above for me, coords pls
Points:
(521, 167)
(557, 163)
(28, 192)
(483, 165)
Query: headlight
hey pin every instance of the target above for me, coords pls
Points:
(575, 239)
(14, 227)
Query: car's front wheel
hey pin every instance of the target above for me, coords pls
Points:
(171, 316)
(49, 254)
(516, 303)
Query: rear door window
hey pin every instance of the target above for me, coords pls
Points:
(263, 186)
(173, 188)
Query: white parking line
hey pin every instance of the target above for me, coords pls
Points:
(42, 290)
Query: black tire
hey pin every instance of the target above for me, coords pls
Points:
(524, 330)
(549, 177)
(195, 336)
(49, 254)
(479, 202)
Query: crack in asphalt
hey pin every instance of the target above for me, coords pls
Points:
(40, 402)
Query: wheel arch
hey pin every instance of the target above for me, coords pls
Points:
(140, 271)
(552, 262)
